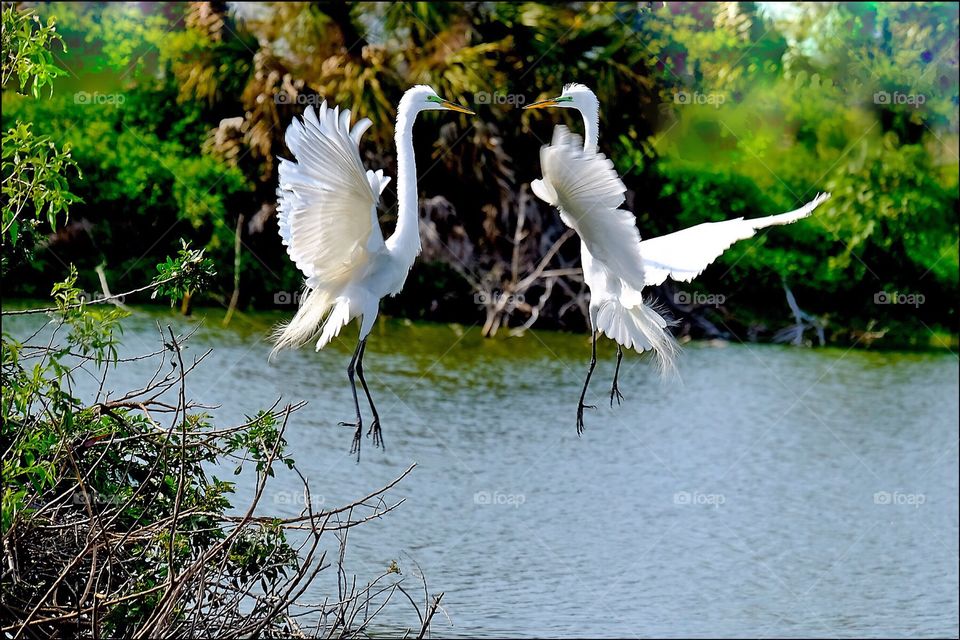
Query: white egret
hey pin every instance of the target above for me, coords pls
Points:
(327, 210)
(617, 265)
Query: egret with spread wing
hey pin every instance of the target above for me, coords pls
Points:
(328, 222)
(617, 264)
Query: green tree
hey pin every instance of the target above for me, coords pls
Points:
(34, 169)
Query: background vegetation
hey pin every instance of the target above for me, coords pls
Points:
(175, 112)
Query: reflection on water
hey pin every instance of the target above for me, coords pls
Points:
(776, 491)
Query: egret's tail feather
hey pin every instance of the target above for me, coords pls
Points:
(306, 324)
(339, 316)
(642, 327)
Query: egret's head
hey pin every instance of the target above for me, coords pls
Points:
(424, 98)
(574, 96)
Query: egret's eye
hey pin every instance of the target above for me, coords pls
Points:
(565, 99)
(434, 99)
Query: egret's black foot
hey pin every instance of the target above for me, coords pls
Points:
(377, 434)
(580, 408)
(615, 394)
(355, 446)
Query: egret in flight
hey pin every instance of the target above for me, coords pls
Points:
(327, 210)
(617, 265)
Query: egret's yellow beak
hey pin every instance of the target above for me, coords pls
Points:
(552, 102)
(452, 106)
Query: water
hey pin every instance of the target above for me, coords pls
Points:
(775, 492)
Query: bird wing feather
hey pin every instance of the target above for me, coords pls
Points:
(327, 202)
(588, 192)
(684, 255)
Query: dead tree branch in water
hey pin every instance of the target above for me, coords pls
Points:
(504, 282)
(803, 321)
(235, 297)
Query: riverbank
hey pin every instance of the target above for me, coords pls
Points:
(742, 326)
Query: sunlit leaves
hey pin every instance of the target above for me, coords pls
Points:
(27, 50)
(35, 184)
(34, 169)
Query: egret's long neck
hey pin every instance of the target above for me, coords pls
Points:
(590, 111)
(405, 241)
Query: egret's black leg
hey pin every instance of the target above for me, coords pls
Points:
(586, 383)
(615, 390)
(375, 425)
(355, 447)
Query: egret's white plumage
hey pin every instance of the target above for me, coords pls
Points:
(327, 213)
(582, 183)
(683, 255)
(588, 192)
(586, 188)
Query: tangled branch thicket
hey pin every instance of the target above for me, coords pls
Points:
(113, 525)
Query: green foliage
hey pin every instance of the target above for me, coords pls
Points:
(27, 45)
(93, 329)
(138, 138)
(34, 178)
(130, 168)
(258, 441)
(64, 458)
(67, 458)
(36, 375)
(28, 469)
(854, 99)
(34, 169)
(178, 277)
(262, 552)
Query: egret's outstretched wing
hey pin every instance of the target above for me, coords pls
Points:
(327, 201)
(588, 192)
(684, 255)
